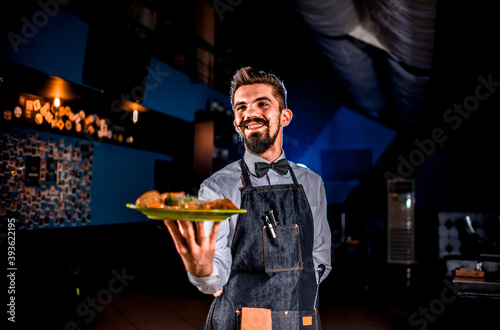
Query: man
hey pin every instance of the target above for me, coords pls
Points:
(263, 266)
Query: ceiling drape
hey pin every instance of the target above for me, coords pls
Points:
(348, 31)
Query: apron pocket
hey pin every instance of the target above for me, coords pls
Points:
(282, 253)
(255, 319)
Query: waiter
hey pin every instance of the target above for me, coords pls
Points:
(264, 266)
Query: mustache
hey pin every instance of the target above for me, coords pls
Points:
(256, 120)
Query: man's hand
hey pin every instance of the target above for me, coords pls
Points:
(195, 248)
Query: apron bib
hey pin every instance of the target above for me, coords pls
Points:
(275, 273)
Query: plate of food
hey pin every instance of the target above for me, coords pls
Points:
(179, 206)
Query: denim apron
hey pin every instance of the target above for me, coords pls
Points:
(275, 273)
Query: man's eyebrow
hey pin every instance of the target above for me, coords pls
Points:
(263, 98)
(239, 103)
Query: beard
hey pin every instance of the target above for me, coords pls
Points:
(258, 142)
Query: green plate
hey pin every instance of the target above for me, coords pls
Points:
(185, 214)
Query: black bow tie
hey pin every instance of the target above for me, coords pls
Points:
(281, 166)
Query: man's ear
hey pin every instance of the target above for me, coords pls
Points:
(286, 117)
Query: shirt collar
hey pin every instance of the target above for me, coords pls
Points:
(250, 160)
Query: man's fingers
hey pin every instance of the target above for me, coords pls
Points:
(181, 229)
(189, 232)
(177, 237)
(173, 229)
(215, 230)
(200, 228)
(196, 249)
(185, 234)
(202, 234)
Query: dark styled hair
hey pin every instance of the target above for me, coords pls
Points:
(249, 76)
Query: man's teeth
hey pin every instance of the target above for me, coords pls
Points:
(254, 126)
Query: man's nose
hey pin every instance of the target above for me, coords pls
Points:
(252, 111)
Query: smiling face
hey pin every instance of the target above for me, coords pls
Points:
(259, 120)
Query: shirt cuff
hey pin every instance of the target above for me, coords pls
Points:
(206, 284)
